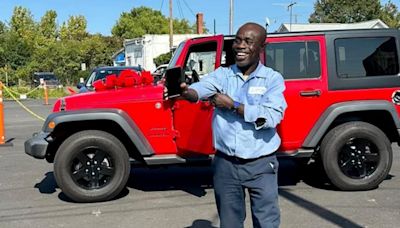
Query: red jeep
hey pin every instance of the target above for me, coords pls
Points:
(342, 90)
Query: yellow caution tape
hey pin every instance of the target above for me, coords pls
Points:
(22, 105)
(19, 94)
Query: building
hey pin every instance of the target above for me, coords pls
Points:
(375, 24)
(119, 57)
(141, 51)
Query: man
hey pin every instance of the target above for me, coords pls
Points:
(249, 105)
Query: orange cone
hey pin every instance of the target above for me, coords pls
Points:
(46, 97)
(2, 131)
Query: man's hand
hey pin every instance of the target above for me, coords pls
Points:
(184, 88)
(222, 101)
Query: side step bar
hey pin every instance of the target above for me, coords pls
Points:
(168, 159)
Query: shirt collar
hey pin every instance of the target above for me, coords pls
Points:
(255, 73)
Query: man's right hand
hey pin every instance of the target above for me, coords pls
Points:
(188, 94)
(184, 88)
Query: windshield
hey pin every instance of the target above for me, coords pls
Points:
(176, 55)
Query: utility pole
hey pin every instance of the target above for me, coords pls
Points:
(231, 17)
(171, 27)
(290, 8)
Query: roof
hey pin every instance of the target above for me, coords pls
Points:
(372, 24)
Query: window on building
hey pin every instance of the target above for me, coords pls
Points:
(362, 57)
(137, 53)
(294, 60)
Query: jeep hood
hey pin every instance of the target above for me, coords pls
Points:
(110, 98)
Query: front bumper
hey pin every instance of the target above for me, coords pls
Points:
(37, 145)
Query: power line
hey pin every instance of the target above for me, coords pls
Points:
(162, 3)
(184, 1)
(180, 9)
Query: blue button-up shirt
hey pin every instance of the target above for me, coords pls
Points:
(262, 96)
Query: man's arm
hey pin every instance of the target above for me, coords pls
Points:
(269, 113)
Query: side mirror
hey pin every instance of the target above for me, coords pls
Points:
(173, 79)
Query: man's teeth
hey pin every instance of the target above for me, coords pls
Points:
(241, 54)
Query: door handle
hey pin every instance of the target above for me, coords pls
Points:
(310, 93)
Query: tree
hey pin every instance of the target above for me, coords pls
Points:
(144, 20)
(390, 15)
(163, 58)
(48, 25)
(345, 11)
(3, 28)
(74, 28)
(22, 23)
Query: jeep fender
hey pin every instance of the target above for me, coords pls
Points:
(333, 111)
(116, 115)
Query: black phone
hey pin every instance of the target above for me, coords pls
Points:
(173, 79)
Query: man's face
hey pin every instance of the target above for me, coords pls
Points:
(247, 46)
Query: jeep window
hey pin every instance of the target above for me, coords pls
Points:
(201, 59)
(176, 55)
(362, 57)
(294, 60)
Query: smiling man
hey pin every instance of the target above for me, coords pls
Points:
(249, 104)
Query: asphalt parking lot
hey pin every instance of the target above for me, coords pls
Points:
(175, 196)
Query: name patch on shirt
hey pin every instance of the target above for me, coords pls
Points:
(257, 90)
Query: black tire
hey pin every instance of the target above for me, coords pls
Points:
(356, 156)
(91, 166)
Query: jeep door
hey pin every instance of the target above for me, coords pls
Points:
(192, 121)
(302, 62)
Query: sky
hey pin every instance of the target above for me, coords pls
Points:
(102, 15)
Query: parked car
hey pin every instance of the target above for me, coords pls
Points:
(342, 90)
(159, 72)
(101, 72)
(49, 78)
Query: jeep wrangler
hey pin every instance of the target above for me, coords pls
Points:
(342, 90)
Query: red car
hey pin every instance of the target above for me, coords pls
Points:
(342, 90)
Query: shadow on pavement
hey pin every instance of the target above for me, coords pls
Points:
(195, 180)
(48, 185)
(201, 223)
(322, 212)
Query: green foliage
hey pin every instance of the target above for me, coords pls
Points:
(390, 15)
(143, 20)
(16, 51)
(344, 11)
(3, 28)
(48, 25)
(22, 22)
(163, 58)
(27, 46)
(74, 29)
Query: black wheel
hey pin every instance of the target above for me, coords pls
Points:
(91, 166)
(356, 156)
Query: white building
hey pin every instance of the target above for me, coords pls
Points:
(141, 51)
(374, 24)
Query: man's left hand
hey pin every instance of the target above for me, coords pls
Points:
(222, 101)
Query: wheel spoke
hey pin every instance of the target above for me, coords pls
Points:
(346, 166)
(83, 158)
(79, 174)
(370, 157)
(99, 156)
(362, 171)
(106, 171)
(94, 183)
